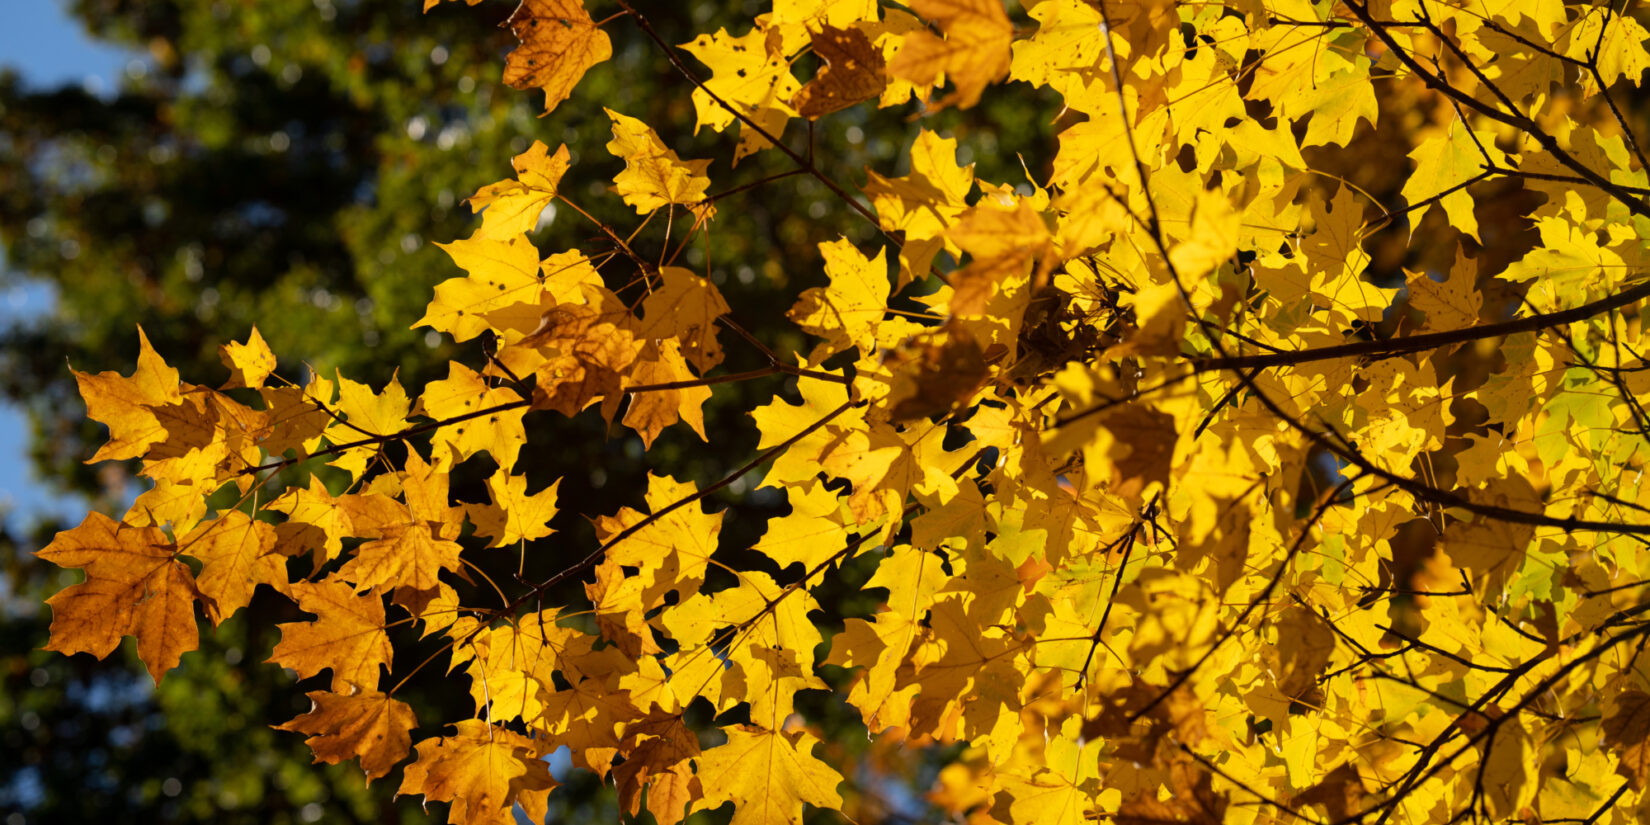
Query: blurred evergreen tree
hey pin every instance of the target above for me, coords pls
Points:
(291, 165)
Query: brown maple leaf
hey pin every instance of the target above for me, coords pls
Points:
(559, 43)
(854, 71)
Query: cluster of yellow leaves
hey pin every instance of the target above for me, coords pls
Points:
(1181, 507)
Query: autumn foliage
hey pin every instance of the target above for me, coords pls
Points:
(1274, 454)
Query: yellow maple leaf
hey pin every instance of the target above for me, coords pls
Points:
(368, 413)
(653, 175)
(685, 308)
(125, 404)
(1442, 164)
(811, 533)
(237, 554)
(768, 776)
(297, 416)
(973, 54)
(502, 274)
(750, 75)
(848, 311)
(652, 410)
(465, 394)
(1453, 303)
(249, 363)
(406, 555)
(514, 515)
(315, 521)
(511, 668)
(672, 550)
(513, 207)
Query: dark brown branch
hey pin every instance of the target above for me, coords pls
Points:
(1433, 340)
(1429, 493)
(385, 439)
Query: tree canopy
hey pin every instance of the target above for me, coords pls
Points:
(1203, 412)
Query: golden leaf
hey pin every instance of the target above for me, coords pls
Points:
(767, 775)
(135, 586)
(559, 43)
(346, 636)
(974, 53)
(368, 725)
(482, 770)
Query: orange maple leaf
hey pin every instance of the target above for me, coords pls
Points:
(368, 725)
(135, 586)
(482, 770)
(346, 636)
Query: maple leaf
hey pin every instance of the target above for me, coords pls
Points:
(315, 521)
(935, 372)
(465, 394)
(513, 207)
(502, 274)
(249, 363)
(1452, 303)
(511, 668)
(1442, 164)
(237, 554)
(126, 404)
(1008, 245)
(367, 415)
(297, 416)
(482, 770)
(672, 549)
(514, 515)
(406, 547)
(684, 309)
(651, 411)
(973, 54)
(853, 72)
(748, 75)
(1062, 794)
(559, 43)
(369, 726)
(653, 175)
(591, 353)
(810, 534)
(347, 635)
(135, 586)
(657, 768)
(848, 311)
(768, 775)
(1628, 729)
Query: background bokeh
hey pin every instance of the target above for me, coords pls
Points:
(200, 166)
